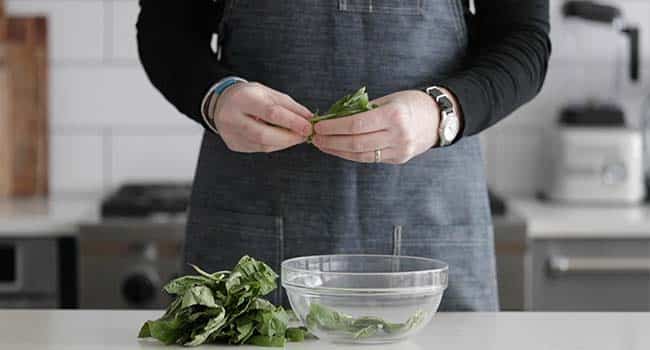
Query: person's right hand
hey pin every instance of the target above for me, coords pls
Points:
(251, 117)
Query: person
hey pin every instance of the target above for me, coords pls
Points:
(406, 178)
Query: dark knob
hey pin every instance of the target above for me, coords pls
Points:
(592, 11)
(138, 289)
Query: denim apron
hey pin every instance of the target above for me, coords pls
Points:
(303, 202)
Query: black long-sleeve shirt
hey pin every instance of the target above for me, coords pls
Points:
(506, 67)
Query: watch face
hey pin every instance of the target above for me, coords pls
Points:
(450, 128)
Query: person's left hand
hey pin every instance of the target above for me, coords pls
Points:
(403, 126)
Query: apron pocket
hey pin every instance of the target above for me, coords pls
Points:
(469, 252)
(397, 7)
(217, 239)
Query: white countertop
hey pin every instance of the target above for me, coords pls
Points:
(556, 220)
(51, 216)
(94, 330)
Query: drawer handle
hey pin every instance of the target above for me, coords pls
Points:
(562, 265)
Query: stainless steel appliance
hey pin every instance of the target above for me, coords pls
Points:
(37, 272)
(597, 164)
(135, 249)
(645, 130)
(590, 275)
(510, 247)
(597, 157)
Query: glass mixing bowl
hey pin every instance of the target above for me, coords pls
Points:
(364, 298)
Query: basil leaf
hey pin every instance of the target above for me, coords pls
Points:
(245, 330)
(167, 331)
(198, 295)
(367, 332)
(325, 318)
(180, 285)
(213, 325)
(321, 317)
(272, 323)
(144, 331)
(261, 340)
(217, 276)
(355, 103)
(252, 274)
(296, 334)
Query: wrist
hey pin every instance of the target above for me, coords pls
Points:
(209, 104)
(448, 115)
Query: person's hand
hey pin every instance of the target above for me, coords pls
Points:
(403, 126)
(251, 117)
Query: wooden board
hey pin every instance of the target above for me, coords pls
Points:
(23, 107)
(2, 20)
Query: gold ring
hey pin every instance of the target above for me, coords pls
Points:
(377, 155)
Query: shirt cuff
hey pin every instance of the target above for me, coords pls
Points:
(209, 102)
(468, 95)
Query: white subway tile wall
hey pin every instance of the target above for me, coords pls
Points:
(76, 158)
(106, 95)
(124, 44)
(110, 125)
(76, 27)
(156, 158)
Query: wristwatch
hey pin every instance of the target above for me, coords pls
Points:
(449, 126)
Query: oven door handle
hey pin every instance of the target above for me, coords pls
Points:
(563, 265)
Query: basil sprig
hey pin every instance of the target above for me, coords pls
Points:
(355, 103)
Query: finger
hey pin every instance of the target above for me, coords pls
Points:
(259, 132)
(388, 155)
(239, 143)
(384, 100)
(362, 123)
(289, 103)
(280, 116)
(355, 143)
(276, 114)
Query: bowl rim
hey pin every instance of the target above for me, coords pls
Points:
(420, 290)
(444, 268)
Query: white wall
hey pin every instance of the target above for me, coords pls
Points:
(581, 68)
(108, 124)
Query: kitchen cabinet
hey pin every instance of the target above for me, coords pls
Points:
(586, 258)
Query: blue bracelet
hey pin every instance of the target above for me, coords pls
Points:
(211, 97)
(226, 83)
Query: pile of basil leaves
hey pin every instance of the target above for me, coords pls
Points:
(224, 307)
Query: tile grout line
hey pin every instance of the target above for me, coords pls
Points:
(107, 158)
(107, 6)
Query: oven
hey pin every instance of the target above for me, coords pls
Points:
(37, 272)
(123, 264)
(590, 275)
(136, 247)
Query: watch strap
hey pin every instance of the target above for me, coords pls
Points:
(446, 112)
